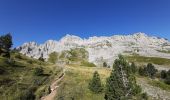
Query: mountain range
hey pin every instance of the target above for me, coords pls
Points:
(102, 49)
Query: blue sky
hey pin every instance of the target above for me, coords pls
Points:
(40, 20)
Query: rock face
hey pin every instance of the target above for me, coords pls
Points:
(102, 48)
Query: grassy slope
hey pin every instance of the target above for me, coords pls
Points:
(159, 84)
(154, 60)
(75, 83)
(18, 77)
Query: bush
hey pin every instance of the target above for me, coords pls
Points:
(151, 71)
(104, 64)
(163, 74)
(144, 96)
(41, 59)
(141, 71)
(38, 71)
(30, 61)
(167, 80)
(2, 71)
(27, 94)
(148, 71)
(45, 90)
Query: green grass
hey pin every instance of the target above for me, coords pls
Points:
(164, 51)
(18, 77)
(154, 60)
(75, 83)
(160, 84)
(87, 64)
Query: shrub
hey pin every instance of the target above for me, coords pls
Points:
(141, 71)
(150, 71)
(167, 80)
(163, 74)
(41, 59)
(144, 96)
(30, 61)
(27, 94)
(104, 64)
(2, 71)
(38, 71)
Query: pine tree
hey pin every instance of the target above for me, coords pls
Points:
(133, 67)
(121, 84)
(167, 80)
(5, 44)
(151, 71)
(163, 74)
(104, 64)
(95, 84)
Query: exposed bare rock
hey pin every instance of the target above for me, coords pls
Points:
(101, 48)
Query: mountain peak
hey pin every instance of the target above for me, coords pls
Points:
(140, 34)
(69, 38)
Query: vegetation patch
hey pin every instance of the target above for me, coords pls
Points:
(164, 51)
(154, 60)
(22, 77)
(87, 64)
(75, 84)
(159, 84)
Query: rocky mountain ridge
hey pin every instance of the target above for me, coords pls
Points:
(102, 48)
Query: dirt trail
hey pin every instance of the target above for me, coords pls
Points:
(54, 87)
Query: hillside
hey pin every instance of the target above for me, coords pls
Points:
(69, 74)
(18, 80)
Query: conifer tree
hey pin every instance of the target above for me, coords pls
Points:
(151, 71)
(5, 44)
(167, 80)
(95, 84)
(163, 74)
(133, 67)
(121, 84)
(104, 64)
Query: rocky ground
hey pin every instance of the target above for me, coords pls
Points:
(155, 92)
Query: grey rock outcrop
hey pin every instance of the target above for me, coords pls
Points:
(101, 48)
